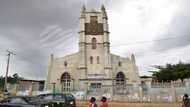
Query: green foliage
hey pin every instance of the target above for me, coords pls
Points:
(172, 72)
(1, 82)
(144, 76)
(10, 79)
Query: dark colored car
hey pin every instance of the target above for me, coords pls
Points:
(58, 99)
(22, 101)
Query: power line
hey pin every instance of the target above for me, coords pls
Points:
(59, 39)
(140, 42)
(162, 52)
(134, 43)
(143, 42)
(137, 53)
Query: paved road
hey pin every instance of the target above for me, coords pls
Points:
(124, 104)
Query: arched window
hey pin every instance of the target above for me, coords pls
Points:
(65, 63)
(98, 60)
(91, 60)
(66, 81)
(94, 43)
(120, 78)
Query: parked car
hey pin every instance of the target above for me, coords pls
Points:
(22, 101)
(58, 99)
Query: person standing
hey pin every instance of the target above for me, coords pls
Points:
(104, 102)
(186, 101)
(92, 102)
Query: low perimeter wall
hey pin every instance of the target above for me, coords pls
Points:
(124, 104)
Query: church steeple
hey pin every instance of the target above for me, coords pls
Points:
(133, 58)
(103, 9)
(83, 10)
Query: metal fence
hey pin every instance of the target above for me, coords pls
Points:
(154, 92)
(145, 92)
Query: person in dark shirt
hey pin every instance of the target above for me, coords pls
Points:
(92, 102)
(104, 102)
(186, 101)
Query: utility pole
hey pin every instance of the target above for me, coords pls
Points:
(53, 89)
(7, 70)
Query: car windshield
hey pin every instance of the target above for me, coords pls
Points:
(70, 97)
(53, 96)
(31, 99)
(17, 100)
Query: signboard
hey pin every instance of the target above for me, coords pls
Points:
(96, 76)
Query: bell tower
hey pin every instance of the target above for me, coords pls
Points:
(94, 45)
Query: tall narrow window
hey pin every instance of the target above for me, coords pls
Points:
(119, 63)
(91, 60)
(93, 43)
(65, 63)
(98, 60)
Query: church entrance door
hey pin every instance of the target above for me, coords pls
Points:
(65, 82)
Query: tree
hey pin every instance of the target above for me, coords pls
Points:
(2, 82)
(172, 72)
(16, 77)
(10, 79)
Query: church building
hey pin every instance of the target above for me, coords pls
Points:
(93, 67)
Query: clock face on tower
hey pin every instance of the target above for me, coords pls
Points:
(93, 28)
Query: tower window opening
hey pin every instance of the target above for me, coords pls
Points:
(98, 60)
(94, 43)
(65, 63)
(91, 60)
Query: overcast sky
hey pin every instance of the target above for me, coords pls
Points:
(156, 31)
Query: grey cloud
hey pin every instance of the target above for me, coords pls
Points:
(24, 30)
(26, 52)
(34, 29)
(178, 34)
(37, 14)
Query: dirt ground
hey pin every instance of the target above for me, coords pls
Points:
(125, 104)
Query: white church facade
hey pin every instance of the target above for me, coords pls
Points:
(93, 67)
